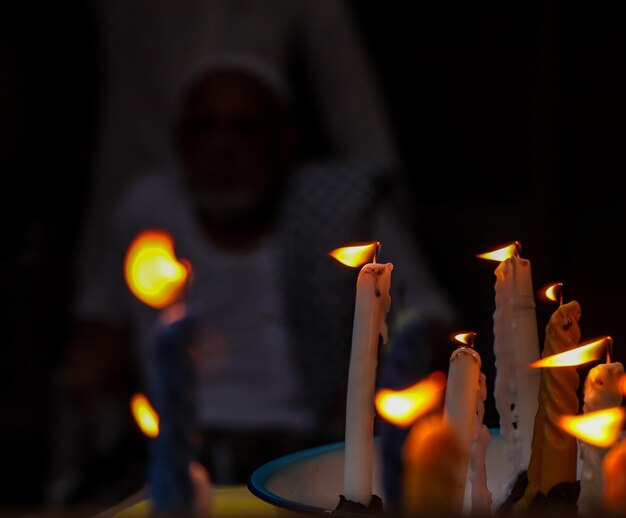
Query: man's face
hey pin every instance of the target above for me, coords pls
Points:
(231, 143)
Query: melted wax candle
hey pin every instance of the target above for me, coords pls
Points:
(554, 451)
(516, 345)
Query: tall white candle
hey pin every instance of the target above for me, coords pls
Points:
(481, 495)
(371, 307)
(460, 409)
(516, 345)
(602, 390)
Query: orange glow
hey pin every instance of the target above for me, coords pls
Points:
(600, 428)
(578, 356)
(501, 253)
(622, 384)
(402, 407)
(145, 416)
(152, 272)
(466, 338)
(355, 255)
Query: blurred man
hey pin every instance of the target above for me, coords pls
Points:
(276, 311)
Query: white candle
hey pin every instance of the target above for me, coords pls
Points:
(516, 345)
(372, 305)
(460, 409)
(602, 390)
(481, 495)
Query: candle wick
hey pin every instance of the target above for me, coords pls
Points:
(518, 249)
(376, 252)
(609, 349)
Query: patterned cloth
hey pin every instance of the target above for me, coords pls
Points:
(329, 205)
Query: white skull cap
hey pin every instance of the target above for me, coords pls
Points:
(266, 72)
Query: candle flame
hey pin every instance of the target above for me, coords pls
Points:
(600, 428)
(503, 253)
(553, 292)
(466, 338)
(145, 416)
(356, 255)
(153, 273)
(402, 407)
(578, 356)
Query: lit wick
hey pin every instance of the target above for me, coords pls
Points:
(609, 349)
(466, 339)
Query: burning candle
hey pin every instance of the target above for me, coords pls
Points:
(159, 280)
(172, 451)
(402, 408)
(371, 307)
(516, 345)
(481, 495)
(602, 390)
(460, 407)
(554, 452)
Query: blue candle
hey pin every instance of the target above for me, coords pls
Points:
(172, 451)
(408, 360)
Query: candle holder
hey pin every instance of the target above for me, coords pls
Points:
(310, 481)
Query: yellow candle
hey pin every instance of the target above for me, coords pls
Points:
(614, 474)
(371, 307)
(432, 456)
(554, 453)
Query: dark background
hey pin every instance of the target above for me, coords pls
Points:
(510, 117)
